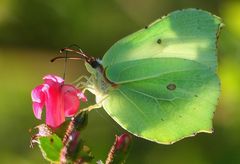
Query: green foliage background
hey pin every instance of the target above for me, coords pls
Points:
(32, 32)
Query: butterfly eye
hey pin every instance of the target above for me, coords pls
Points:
(95, 64)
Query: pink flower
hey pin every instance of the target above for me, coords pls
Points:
(61, 100)
(123, 141)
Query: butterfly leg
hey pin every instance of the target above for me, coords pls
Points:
(80, 78)
(95, 106)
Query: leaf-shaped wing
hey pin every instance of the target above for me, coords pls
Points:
(189, 34)
(177, 100)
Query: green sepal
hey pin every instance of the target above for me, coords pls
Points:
(50, 147)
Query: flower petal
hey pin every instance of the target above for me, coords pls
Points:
(37, 94)
(71, 100)
(123, 141)
(54, 105)
(60, 100)
(53, 79)
(37, 109)
(82, 96)
(38, 99)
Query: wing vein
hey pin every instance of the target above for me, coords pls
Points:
(155, 76)
(137, 107)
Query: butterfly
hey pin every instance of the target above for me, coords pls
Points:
(160, 83)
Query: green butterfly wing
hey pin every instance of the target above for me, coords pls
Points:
(166, 106)
(167, 88)
(189, 34)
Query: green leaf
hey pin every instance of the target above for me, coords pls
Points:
(51, 147)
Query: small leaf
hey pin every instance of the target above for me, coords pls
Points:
(51, 147)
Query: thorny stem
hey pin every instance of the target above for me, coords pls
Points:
(120, 149)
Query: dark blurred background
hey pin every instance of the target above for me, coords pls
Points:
(33, 31)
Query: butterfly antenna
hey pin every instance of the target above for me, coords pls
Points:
(89, 59)
(67, 50)
(79, 52)
(82, 56)
(75, 46)
(63, 57)
(66, 57)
